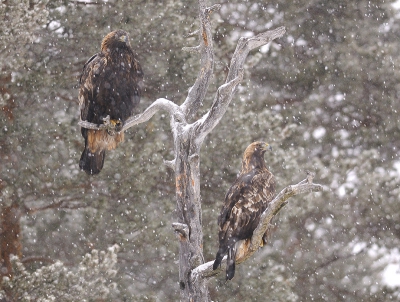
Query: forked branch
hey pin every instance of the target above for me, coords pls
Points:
(249, 247)
(235, 75)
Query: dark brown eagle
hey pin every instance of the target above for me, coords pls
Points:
(245, 201)
(109, 87)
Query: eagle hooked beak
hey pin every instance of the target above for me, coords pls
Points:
(123, 38)
(267, 147)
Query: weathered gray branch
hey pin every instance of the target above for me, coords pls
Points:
(245, 45)
(225, 92)
(211, 119)
(249, 247)
(159, 104)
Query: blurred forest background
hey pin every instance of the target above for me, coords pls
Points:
(325, 96)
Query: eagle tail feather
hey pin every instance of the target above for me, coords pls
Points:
(90, 162)
(230, 263)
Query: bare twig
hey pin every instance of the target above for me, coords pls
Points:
(249, 247)
(62, 204)
(181, 229)
(195, 49)
(334, 258)
(30, 259)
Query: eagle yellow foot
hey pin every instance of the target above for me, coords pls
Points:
(112, 126)
(115, 122)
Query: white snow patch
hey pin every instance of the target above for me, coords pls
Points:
(248, 34)
(319, 132)
(335, 152)
(344, 134)
(320, 233)
(54, 25)
(350, 183)
(265, 48)
(61, 9)
(341, 191)
(385, 27)
(300, 42)
(352, 177)
(358, 247)
(339, 97)
(396, 165)
(396, 4)
(290, 39)
(391, 275)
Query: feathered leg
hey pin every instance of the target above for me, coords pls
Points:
(218, 258)
(230, 263)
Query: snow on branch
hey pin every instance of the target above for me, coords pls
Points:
(159, 104)
(249, 247)
(235, 75)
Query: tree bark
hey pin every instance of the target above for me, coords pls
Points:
(10, 243)
(187, 178)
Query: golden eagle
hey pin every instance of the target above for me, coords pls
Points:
(245, 201)
(109, 88)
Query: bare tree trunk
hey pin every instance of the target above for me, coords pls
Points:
(189, 226)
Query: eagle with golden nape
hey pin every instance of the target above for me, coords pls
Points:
(245, 201)
(109, 92)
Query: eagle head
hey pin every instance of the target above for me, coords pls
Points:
(114, 40)
(253, 156)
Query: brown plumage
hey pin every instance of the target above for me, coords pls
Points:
(109, 86)
(245, 201)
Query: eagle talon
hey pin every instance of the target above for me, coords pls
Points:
(112, 126)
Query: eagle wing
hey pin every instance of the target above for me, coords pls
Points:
(245, 201)
(109, 88)
(87, 92)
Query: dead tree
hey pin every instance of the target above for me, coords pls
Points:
(188, 138)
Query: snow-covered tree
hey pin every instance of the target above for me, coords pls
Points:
(324, 96)
(90, 280)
